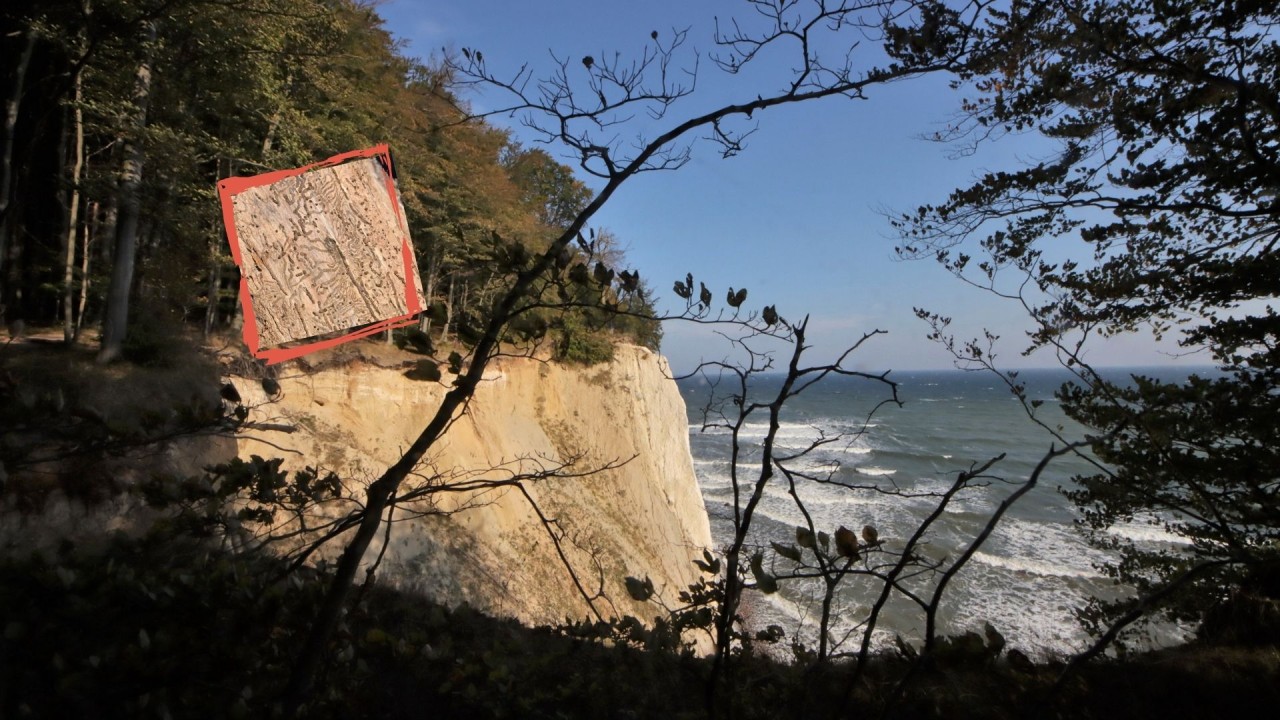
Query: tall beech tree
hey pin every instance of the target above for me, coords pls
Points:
(1158, 213)
(117, 311)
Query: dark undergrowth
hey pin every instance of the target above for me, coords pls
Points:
(162, 626)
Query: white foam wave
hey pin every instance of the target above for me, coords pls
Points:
(696, 429)
(1144, 533)
(828, 505)
(1026, 581)
(804, 431)
(822, 468)
(785, 430)
(1033, 567)
(876, 471)
(1054, 547)
(785, 607)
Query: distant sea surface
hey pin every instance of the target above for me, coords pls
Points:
(1028, 576)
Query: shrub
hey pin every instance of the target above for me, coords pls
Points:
(581, 344)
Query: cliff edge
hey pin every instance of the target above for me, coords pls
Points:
(642, 516)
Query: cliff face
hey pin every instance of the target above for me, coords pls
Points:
(644, 516)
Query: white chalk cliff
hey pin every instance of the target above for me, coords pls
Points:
(643, 518)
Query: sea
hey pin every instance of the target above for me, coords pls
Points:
(879, 463)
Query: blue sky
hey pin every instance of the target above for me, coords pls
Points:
(796, 218)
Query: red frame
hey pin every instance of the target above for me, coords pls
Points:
(228, 188)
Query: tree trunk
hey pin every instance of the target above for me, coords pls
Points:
(115, 323)
(433, 269)
(73, 213)
(271, 132)
(462, 307)
(448, 312)
(102, 236)
(106, 233)
(12, 302)
(6, 162)
(237, 315)
(146, 241)
(215, 286)
(274, 122)
(215, 268)
(91, 211)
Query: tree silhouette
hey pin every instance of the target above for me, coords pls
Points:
(1157, 213)
(583, 115)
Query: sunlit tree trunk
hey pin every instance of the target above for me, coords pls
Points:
(115, 322)
(448, 311)
(73, 212)
(429, 280)
(90, 227)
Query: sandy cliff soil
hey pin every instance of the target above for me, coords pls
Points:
(645, 517)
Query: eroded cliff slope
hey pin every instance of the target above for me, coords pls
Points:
(642, 517)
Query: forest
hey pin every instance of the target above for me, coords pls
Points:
(116, 279)
(122, 117)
